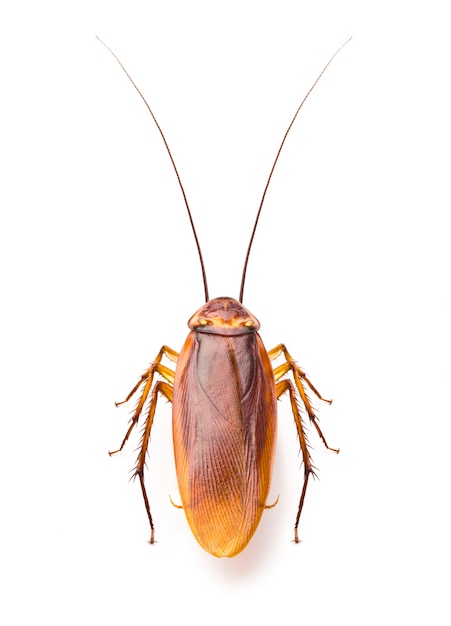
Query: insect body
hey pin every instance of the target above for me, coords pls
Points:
(223, 392)
(224, 441)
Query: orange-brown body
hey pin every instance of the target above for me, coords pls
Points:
(224, 426)
(223, 392)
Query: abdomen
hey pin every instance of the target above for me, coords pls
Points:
(224, 430)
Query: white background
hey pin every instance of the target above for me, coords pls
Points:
(350, 269)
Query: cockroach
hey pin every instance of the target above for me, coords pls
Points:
(224, 393)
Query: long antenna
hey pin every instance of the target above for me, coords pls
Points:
(204, 275)
(243, 278)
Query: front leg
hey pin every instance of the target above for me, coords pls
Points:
(164, 387)
(300, 378)
(285, 385)
(146, 380)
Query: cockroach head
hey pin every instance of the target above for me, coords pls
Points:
(224, 316)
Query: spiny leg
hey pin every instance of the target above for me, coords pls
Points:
(291, 364)
(299, 377)
(146, 380)
(166, 389)
(281, 387)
